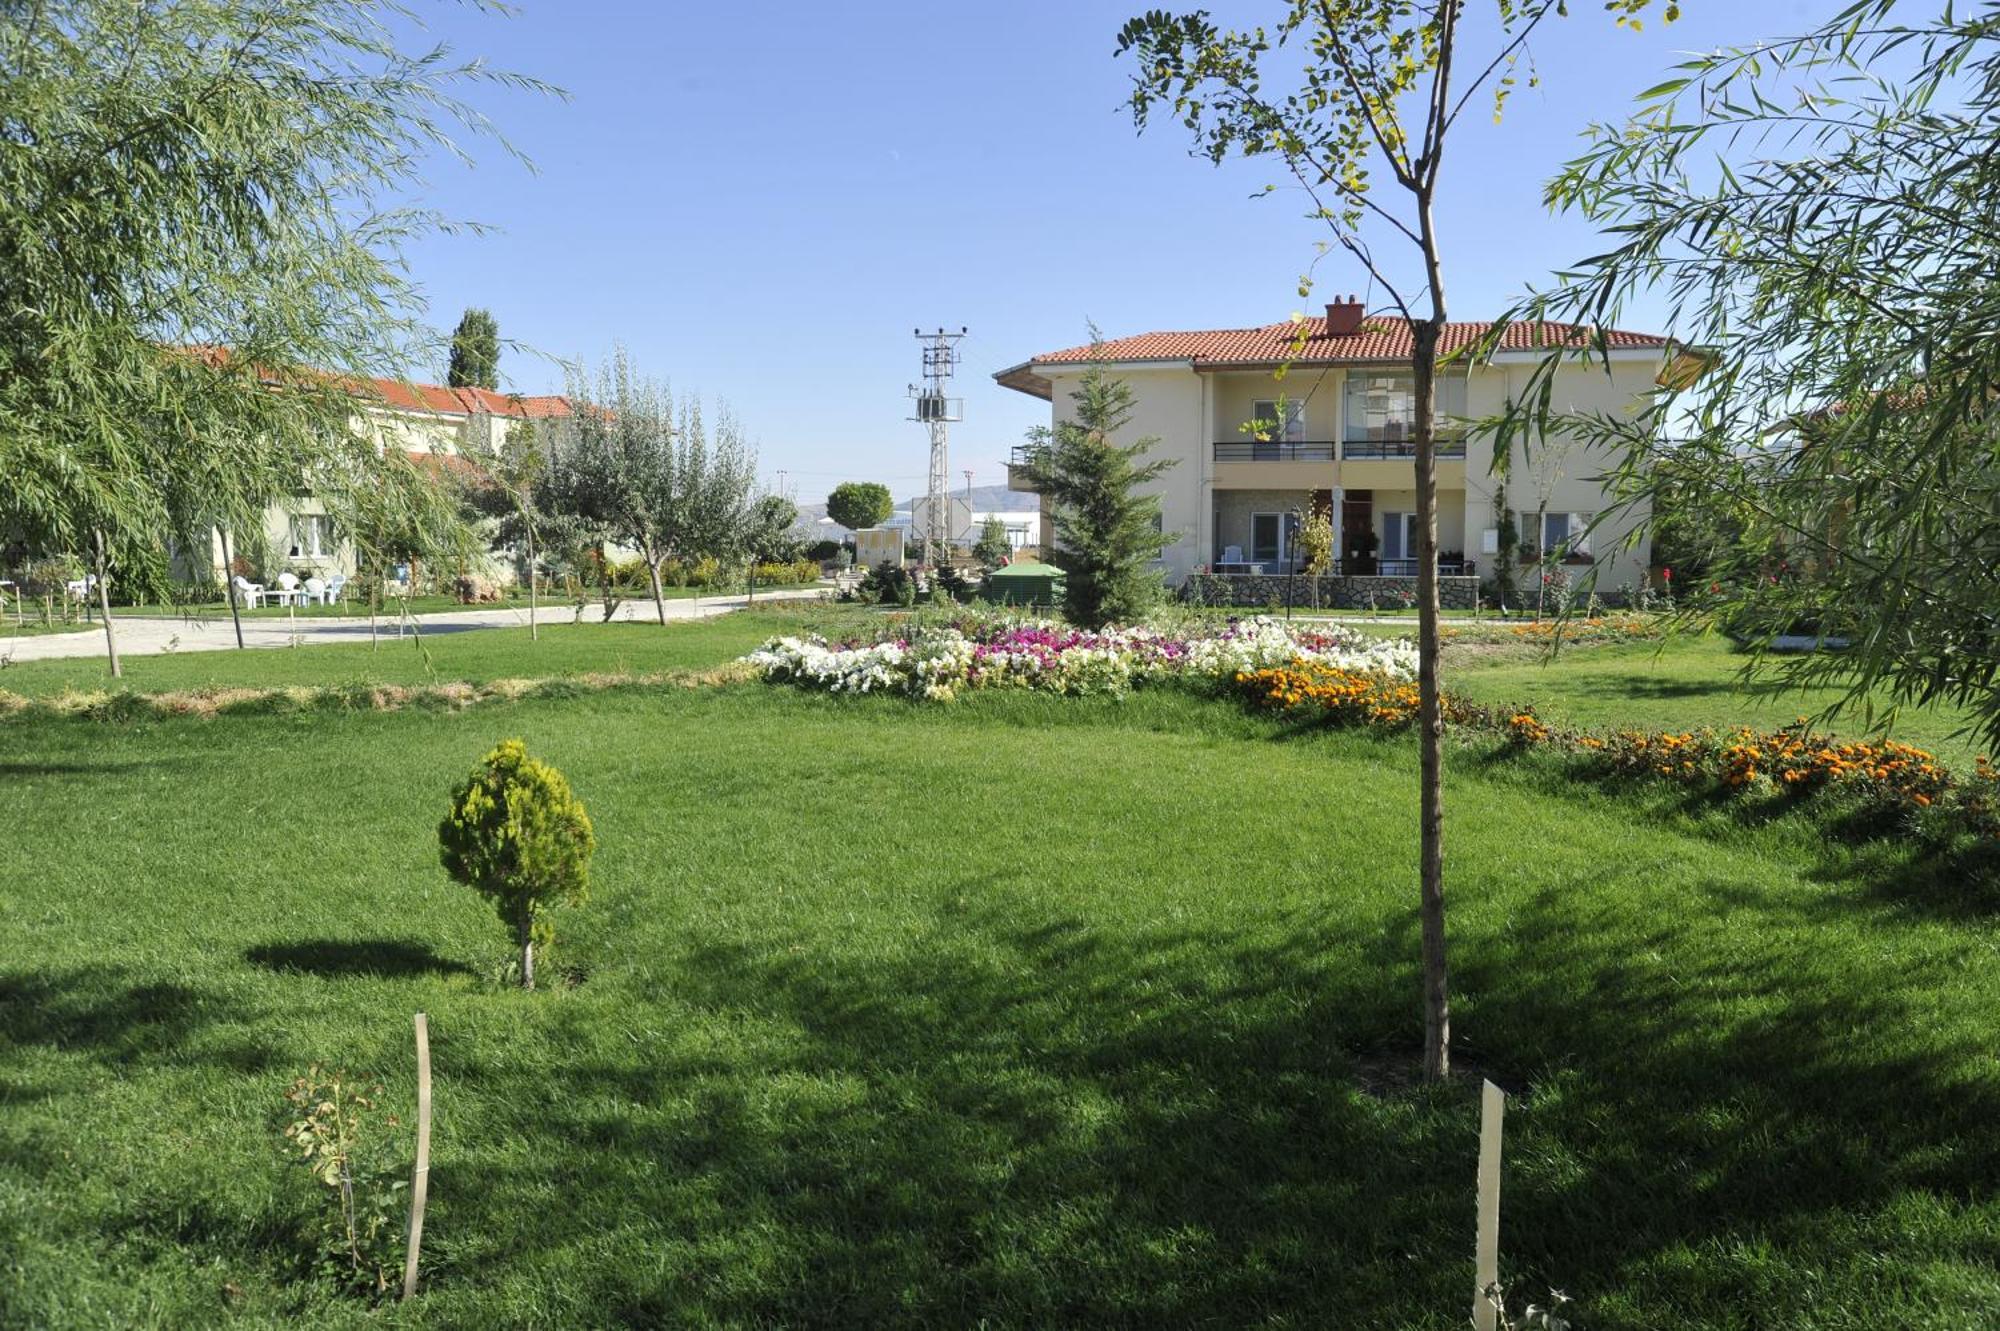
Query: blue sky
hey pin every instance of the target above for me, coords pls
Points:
(762, 200)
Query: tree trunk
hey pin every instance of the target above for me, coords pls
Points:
(229, 586)
(1430, 703)
(104, 604)
(659, 593)
(527, 958)
(534, 630)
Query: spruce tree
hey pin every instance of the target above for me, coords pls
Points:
(475, 352)
(1106, 533)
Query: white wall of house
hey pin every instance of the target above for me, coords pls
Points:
(1189, 412)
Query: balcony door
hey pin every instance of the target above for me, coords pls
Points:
(1271, 537)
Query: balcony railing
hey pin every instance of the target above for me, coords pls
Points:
(1026, 455)
(1360, 449)
(1251, 450)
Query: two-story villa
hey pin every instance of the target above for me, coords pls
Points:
(1253, 449)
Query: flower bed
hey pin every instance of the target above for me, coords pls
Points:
(1884, 782)
(937, 662)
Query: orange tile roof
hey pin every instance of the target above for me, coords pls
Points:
(1379, 340)
(463, 401)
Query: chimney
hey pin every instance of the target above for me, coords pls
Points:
(1343, 317)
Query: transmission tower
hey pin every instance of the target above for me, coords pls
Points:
(937, 411)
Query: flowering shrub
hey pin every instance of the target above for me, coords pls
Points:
(980, 653)
(1342, 695)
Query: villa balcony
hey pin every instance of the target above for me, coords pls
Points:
(1022, 457)
(1393, 449)
(1252, 450)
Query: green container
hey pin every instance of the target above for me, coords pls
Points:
(1025, 584)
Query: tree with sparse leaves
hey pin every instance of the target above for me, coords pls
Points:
(475, 352)
(1376, 87)
(1108, 531)
(199, 245)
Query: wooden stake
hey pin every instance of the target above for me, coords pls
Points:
(420, 1180)
(1486, 1255)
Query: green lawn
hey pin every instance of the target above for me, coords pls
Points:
(1017, 1013)
(475, 655)
(1681, 683)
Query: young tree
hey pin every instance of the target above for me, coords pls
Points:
(1835, 449)
(475, 352)
(772, 539)
(1315, 544)
(517, 834)
(180, 178)
(622, 466)
(993, 548)
(860, 504)
(507, 491)
(1106, 534)
(718, 476)
(1380, 85)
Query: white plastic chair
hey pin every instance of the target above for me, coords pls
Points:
(79, 589)
(334, 587)
(1232, 554)
(251, 592)
(315, 591)
(288, 586)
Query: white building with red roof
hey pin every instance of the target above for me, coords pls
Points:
(446, 429)
(1254, 447)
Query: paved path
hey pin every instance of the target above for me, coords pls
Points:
(151, 635)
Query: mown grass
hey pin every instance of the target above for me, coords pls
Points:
(473, 655)
(1679, 683)
(1021, 1012)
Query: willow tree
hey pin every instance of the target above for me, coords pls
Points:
(199, 246)
(1359, 99)
(1820, 215)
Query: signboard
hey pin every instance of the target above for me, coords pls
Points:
(878, 545)
(957, 520)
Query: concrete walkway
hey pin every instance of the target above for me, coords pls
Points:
(151, 635)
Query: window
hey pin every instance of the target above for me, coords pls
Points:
(1266, 538)
(1382, 405)
(1399, 536)
(1290, 428)
(1559, 531)
(312, 536)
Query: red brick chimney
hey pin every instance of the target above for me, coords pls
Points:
(1343, 317)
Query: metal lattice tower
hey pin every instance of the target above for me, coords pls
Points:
(937, 411)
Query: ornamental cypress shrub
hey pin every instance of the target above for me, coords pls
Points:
(518, 835)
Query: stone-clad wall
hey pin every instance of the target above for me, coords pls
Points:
(1335, 593)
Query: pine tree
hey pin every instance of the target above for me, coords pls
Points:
(993, 548)
(475, 352)
(1106, 535)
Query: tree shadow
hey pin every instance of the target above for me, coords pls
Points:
(337, 958)
(1023, 1118)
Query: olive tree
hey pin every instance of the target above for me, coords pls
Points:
(1348, 93)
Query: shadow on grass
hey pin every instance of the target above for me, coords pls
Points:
(97, 1011)
(335, 959)
(1020, 1121)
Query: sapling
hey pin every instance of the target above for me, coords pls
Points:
(517, 834)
